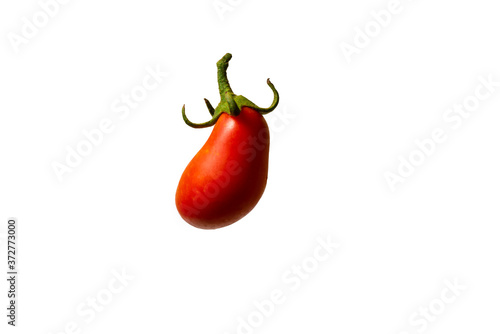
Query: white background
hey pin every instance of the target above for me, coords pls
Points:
(343, 125)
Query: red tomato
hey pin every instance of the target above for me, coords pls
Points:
(228, 175)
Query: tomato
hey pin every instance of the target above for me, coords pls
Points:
(227, 177)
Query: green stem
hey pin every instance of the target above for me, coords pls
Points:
(222, 76)
(230, 103)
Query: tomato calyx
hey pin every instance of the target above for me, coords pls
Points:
(230, 103)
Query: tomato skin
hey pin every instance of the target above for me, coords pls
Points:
(227, 177)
